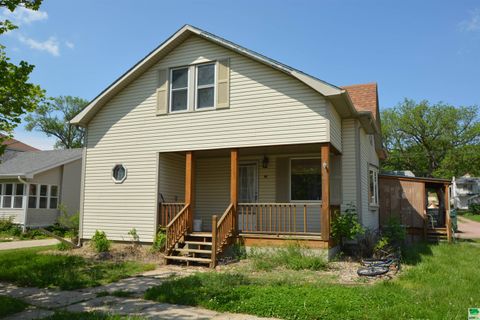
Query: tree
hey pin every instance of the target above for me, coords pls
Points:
(53, 119)
(17, 95)
(431, 139)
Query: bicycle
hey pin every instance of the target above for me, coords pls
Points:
(378, 267)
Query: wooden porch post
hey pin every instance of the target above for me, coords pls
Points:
(189, 186)
(325, 211)
(448, 222)
(234, 185)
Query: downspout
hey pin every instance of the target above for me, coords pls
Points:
(24, 203)
(82, 188)
(359, 172)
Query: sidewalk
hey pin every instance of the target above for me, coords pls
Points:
(20, 244)
(468, 229)
(44, 302)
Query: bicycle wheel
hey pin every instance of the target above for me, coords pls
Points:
(372, 271)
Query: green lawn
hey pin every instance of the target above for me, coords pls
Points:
(29, 267)
(10, 306)
(89, 316)
(471, 216)
(441, 283)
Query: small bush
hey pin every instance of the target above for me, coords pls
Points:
(100, 242)
(62, 246)
(135, 237)
(474, 208)
(345, 226)
(292, 257)
(238, 251)
(367, 243)
(394, 232)
(70, 222)
(159, 241)
(6, 224)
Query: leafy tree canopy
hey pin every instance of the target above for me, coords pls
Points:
(53, 119)
(433, 140)
(17, 95)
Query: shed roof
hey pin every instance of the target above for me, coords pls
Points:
(27, 164)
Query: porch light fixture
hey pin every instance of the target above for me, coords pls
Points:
(265, 162)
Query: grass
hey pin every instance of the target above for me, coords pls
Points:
(471, 216)
(441, 282)
(117, 293)
(30, 267)
(61, 315)
(293, 257)
(10, 306)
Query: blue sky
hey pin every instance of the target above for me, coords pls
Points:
(427, 49)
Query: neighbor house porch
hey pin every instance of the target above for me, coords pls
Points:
(261, 196)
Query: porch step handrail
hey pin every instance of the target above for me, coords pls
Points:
(222, 231)
(167, 211)
(177, 228)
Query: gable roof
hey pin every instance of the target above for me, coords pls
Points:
(27, 164)
(338, 96)
(13, 144)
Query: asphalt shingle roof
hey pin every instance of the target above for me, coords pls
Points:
(27, 163)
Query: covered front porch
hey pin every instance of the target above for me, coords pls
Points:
(262, 195)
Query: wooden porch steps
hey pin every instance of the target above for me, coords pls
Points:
(195, 248)
(437, 234)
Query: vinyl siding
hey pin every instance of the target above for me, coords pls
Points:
(15, 214)
(70, 188)
(335, 127)
(349, 162)
(368, 157)
(171, 177)
(267, 107)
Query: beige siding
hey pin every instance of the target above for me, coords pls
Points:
(349, 162)
(266, 108)
(171, 177)
(70, 188)
(368, 157)
(335, 127)
(16, 214)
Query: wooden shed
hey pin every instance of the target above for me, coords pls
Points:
(420, 204)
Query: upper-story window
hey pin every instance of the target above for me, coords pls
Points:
(205, 89)
(179, 89)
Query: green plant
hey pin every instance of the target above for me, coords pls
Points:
(345, 226)
(474, 208)
(70, 222)
(238, 251)
(6, 224)
(10, 305)
(100, 242)
(394, 232)
(135, 237)
(62, 246)
(160, 240)
(367, 243)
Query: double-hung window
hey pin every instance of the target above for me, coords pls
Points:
(373, 186)
(306, 179)
(179, 89)
(43, 196)
(32, 196)
(205, 88)
(7, 195)
(53, 197)
(19, 193)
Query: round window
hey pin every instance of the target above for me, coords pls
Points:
(119, 173)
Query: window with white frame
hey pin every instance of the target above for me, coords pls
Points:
(7, 195)
(53, 203)
(32, 196)
(373, 186)
(19, 193)
(205, 86)
(179, 89)
(306, 179)
(11, 195)
(43, 196)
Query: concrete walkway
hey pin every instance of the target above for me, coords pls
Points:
(468, 229)
(27, 244)
(44, 302)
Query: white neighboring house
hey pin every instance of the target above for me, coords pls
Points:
(465, 190)
(33, 184)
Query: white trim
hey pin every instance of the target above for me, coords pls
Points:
(170, 89)
(375, 203)
(214, 86)
(124, 177)
(290, 179)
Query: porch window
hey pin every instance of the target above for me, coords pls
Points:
(19, 193)
(32, 196)
(43, 196)
(373, 186)
(205, 89)
(53, 197)
(179, 89)
(306, 179)
(7, 195)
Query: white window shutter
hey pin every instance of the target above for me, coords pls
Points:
(223, 83)
(162, 92)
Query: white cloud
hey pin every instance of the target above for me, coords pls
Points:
(22, 15)
(51, 45)
(473, 23)
(69, 44)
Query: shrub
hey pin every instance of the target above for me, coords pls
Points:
(367, 243)
(62, 246)
(70, 222)
(345, 226)
(100, 242)
(474, 208)
(394, 232)
(6, 224)
(135, 238)
(159, 241)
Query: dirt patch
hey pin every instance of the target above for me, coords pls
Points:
(118, 253)
(337, 272)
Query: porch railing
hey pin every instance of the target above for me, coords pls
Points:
(167, 211)
(177, 228)
(279, 218)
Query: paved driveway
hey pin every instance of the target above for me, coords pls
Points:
(468, 229)
(27, 244)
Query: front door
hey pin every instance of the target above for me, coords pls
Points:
(247, 183)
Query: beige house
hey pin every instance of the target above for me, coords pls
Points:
(34, 183)
(216, 143)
